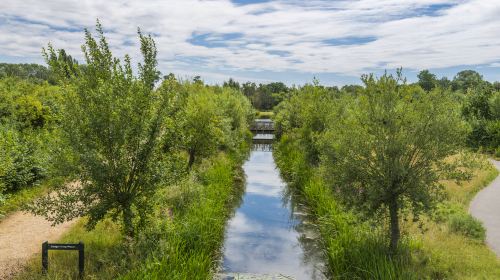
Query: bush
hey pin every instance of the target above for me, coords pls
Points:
(467, 225)
(28, 118)
(445, 210)
(19, 167)
(497, 152)
(3, 198)
(458, 220)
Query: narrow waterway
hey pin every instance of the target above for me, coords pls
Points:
(267, 238)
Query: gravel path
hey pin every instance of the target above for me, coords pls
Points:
(21, 237)
(486, 207)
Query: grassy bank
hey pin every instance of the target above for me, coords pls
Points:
(264, 115)
(181, 240)
(434, 248)
(15, 201)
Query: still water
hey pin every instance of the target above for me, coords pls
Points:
(267, 236)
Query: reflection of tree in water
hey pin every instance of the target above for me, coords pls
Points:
(309, 236)
(239, 190)
(262, 147)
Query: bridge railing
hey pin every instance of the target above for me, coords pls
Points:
(262, 126)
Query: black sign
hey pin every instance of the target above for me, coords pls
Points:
(46, 246)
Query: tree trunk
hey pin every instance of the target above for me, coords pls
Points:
(191, 158)
(395, 231)
(128, 226)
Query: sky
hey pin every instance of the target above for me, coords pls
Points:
(262, 41)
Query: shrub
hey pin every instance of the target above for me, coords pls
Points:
(497, 152)
(19, 166)
(467, 225)
(445, 210)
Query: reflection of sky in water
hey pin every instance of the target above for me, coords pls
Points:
(266, 136)
(261, 237)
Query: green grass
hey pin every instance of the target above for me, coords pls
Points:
(15, 201)
(264, 115)
(462, 193)
(453, 247)
(184, 245)
(191, 250)
(440, 249)
(105, 255)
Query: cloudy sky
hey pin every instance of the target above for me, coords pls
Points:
(292, 41)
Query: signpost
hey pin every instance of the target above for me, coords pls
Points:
(46, 246)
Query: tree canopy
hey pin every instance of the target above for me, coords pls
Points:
(113, 122)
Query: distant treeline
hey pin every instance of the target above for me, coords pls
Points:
(478, 97)
(265, 96)
(479, 100)
(32, 71)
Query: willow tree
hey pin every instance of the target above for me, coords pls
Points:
(203, 124)
(112, 124)
(391, 148)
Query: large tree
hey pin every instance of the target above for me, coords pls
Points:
(112, 123)
(427, 80)
(467, 79)
(387, 149)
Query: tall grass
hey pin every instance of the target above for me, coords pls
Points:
(192, 248)
(181, 241)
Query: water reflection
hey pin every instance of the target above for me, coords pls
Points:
(263, 147)
(266, 236)
(263, 136)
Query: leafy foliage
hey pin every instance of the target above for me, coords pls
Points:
(33, 72)
(384, 148)
(122, 138)
(112, 123)
(263, 96)
(467, 225)
(28, 113)
(426, 80)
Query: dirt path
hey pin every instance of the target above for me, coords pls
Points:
(486, 207)
(21, 236)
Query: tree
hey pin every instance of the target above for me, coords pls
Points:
(467, 79)
(444, 83)
(249, 89)
(198, 80)
(201, 123)
(170, 76)
(351, 89)
(112, 123)
(61, 63)
(33, 72)
(427, 80)
(387, 150)
(232, 84)
(496, 86)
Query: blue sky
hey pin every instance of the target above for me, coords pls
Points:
(291, 41)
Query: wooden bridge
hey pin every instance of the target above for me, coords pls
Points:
(262, 126)
(263, 134)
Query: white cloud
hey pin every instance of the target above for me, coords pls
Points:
(407, 33)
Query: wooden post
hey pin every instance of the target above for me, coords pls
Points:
(45, 257)
(81, 259)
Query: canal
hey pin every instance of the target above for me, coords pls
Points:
(269, 236)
